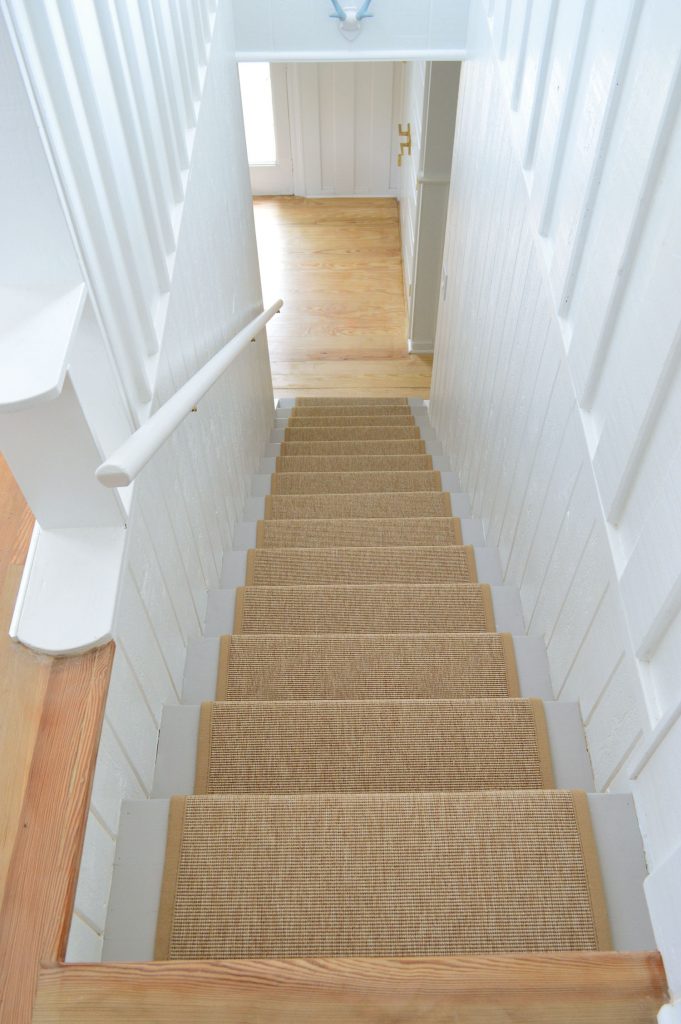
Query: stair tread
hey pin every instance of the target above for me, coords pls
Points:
(368, 608)
(330, 419)
(356, 565)
(366, 665)
(313, 533)
(386, 745)
(356, 483)
(325, 401)
(385, 505)
(349, 411)
(352, 463)
(381, 875)
(410, 446)
(356, 432)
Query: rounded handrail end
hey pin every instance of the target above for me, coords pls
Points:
(111, 475)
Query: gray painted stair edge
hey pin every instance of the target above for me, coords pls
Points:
(508, 614)
(234, 566)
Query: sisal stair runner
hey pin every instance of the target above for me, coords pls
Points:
(310, 431)
(340, 448)
(359, 482)
(458, 666)
(353, 463)
(365, 746)
(306, 566)
(358, 506)
(370, 533)
(369, 781)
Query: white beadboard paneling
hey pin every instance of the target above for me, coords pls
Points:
(658, 799)
(188, 498)
(299, 30)
(504, 406)
(96, 869)
(85, 944)
(343, 127)
(115, 780)
(615, 725)
(558, 390)
(131, 718)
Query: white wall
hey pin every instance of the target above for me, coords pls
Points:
(344, 127)
(411, 112)
(189, 497)
(556, 384)
(400, 29)
(426, 217)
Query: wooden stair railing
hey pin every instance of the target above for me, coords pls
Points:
(598, 988)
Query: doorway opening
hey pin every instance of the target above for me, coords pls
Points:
(350, 167)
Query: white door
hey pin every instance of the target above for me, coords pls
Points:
(264, 96)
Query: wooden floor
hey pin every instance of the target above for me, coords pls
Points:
(337, 264)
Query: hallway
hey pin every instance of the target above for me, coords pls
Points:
(343, 328)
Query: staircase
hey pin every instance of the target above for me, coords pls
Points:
(368, 762)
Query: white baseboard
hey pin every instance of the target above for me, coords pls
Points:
(420, 347)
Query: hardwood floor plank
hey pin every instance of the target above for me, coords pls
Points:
(594, 988)
(337, 263)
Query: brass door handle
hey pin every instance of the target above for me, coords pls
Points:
(405, 146)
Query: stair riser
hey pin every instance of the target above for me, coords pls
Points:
(221, 607)
(370, 483)
(353, 463)
(488, 570)
(245, 535)
(288, 403)
(459, 507)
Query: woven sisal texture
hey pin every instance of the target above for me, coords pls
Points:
(447, 608)
(357, 533)
(372, 746)
(352, 463)
(310, 566)
(348, 411)
(456, 666)
(402, 419)
(358, 506)
(429, 874)
(354, 433)
(355, 483)
(374, 448)
(326, 402)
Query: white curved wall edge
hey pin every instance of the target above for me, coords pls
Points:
(36, 332)
(67, 599)
(670, 1014)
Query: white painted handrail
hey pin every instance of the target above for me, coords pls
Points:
(121, 468)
